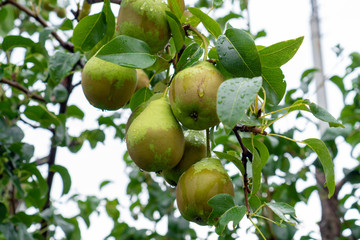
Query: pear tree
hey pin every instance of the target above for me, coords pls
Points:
(203, 98)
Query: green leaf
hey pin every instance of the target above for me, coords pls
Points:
(190, 56)
(10, 42)
(355, 58)
(43, 36)
(223, 20)
(128, 52)
(339, 82)
(283, 210)
(11, 134)
(8, 230)
(280, 53)
(324, 115)
(35, 171)
(7, 19)
(274, 84)
(94, 136)
(66, 25)
(3, 212)
(260, 156)
(243, 4)
(75, 112)
(218, 3)
(110, 20)
(234, 214)
(220, 203)
(41, 114)
(175, 8)
(111, 209)
(263, 152)
(87, 207)
(177, 30)
(234, 98)
(301, 106)
(65, 176)
(89, 31)
(104, 183)
(60, 93)
(225, 211)
(256, 172)
(61, 65)
(210, 24)
(140, 96)
(237, 52)
(322, 151)
(67, 227)
(232, 158)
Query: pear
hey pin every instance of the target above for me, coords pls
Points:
(143, 79)
(106, 85)
(193, 94)
(197, 185)
(155, 140)
(141, 108)
(195, 150)
(144, 20)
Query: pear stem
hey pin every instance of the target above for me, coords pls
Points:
(203, 40)
(208, 142)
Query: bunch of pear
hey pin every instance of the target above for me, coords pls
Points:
(108, 86)
(157, 142)
(155, 137)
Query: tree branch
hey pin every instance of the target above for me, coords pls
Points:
(67, 83)
(20, 87)
(252, 129)
(98, 1)
(67, 45)
(246, 155)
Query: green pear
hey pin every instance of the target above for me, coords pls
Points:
(141, 108)
(155, 140)
(106, 85)
(144, 20)
(143, 79)
(193, 94)
(197, 185)
(195, 150)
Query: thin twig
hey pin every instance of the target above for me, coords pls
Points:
(204, 40)
(208, 148)
(41, 161)
(246, 155)
(98, 1)
(67, 45)
(252, 129)
(20, 87)
(29, 124)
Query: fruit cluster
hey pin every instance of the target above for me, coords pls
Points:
(155, 135)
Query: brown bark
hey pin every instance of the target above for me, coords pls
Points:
(330, 224)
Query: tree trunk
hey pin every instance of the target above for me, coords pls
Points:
(330, 224)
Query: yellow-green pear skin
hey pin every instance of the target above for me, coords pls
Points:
(141, 108)
(106, 85)
(143, 79)
(193, 94)
(155, 140)
(197, 185)
(195, 150)
(144, 20)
